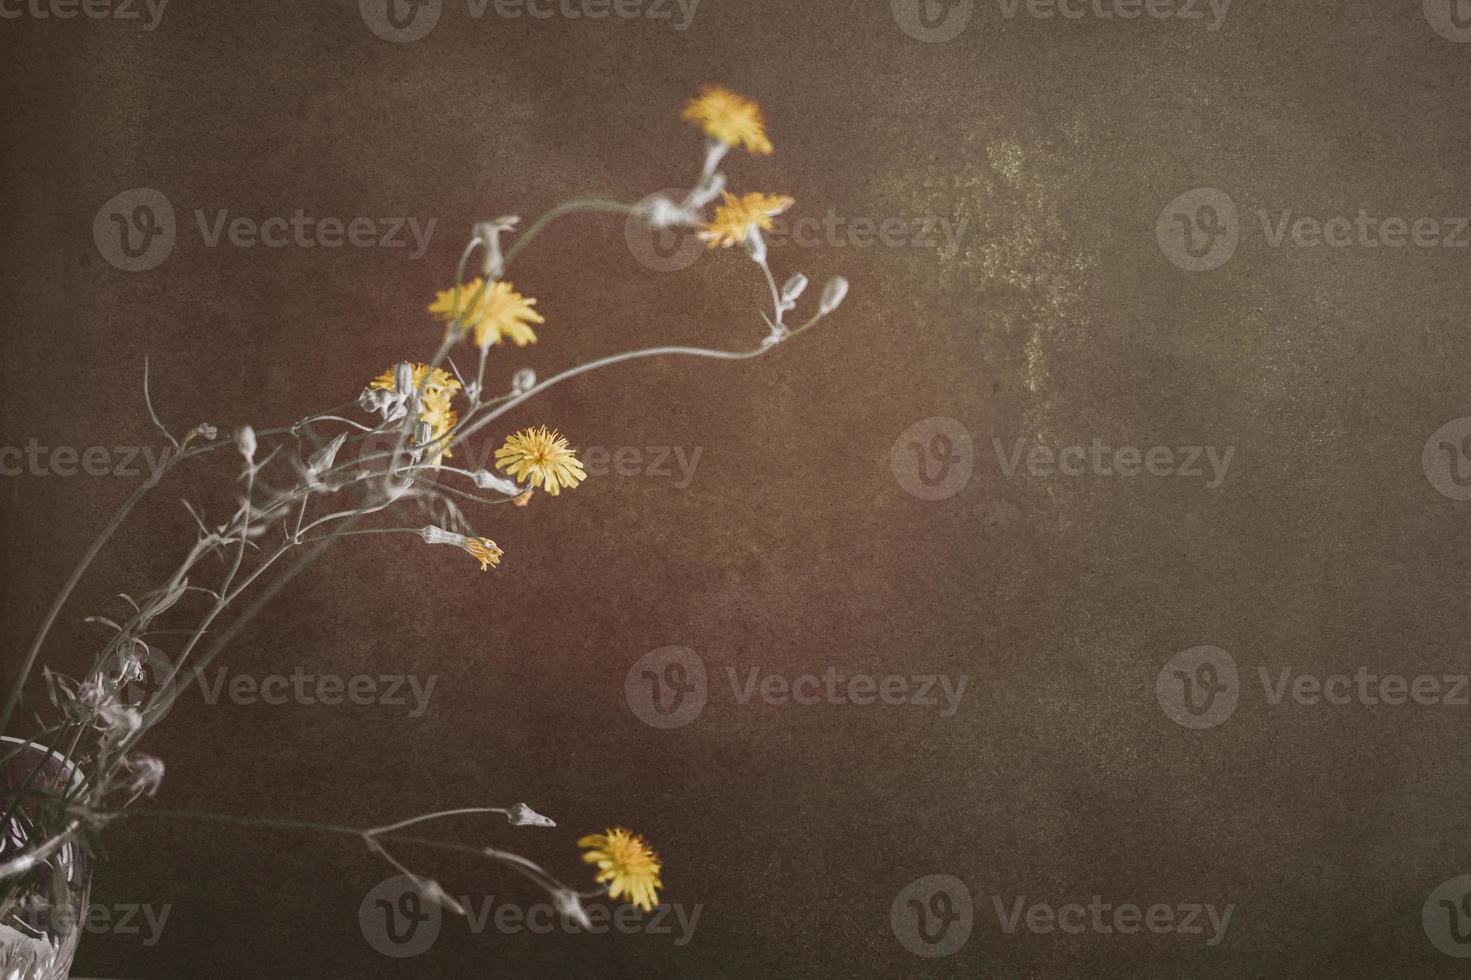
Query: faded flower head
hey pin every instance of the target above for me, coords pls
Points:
(737, 216)
(142, 775)
(730, 118)
(521, 815)
(540, 457)
(390, 391)
(440, 380)
(483, 550)
(493, 312)
(627, 863)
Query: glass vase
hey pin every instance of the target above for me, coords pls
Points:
(42, 909)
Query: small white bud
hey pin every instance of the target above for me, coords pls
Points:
(323, 458)
(794, 288)
(833, 295)
(488, 233)
(523, 381)
(245, 439)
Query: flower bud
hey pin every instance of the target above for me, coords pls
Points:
(488, 233)
(403, 378)
(245, 439)
(833, 295)
(523, 381)
(793, 289)
(323, 458)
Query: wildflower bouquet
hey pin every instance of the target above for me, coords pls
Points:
(383, 463)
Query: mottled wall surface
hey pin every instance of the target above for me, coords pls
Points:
(1042, 293)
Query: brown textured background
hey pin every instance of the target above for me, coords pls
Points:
(794, 548)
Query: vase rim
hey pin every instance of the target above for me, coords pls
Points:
(69, 766)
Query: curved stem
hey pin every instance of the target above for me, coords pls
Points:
(49, 620)
(566, 208)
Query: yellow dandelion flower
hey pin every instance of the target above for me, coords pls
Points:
(730, 118)
(485, 550)
(628, 863)
(735, 218)
(441, 380)
(454, 305)
(540, 457)
(494, 313)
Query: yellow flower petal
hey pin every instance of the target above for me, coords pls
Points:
(730, 118)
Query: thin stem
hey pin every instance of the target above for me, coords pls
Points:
(434, 816)
(566, 208)
(49, 620)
